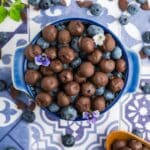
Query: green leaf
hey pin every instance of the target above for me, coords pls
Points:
(3, 13)
(14, 14)
(18, 5)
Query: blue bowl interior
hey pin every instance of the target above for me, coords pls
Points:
(49, 114)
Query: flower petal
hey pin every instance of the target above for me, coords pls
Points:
(46, 62)
(96, 114)
(85, 115)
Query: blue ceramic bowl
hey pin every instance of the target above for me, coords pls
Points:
(131, 78)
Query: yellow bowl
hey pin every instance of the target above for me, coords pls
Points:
(122, 135)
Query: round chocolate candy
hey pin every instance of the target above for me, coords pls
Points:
(121, 65)
(66, 76)
(117, 145)
(43, 99)
(87, 44)
(107, 65)
(32, 77)
(49, 83)
(49, 33)
(100, 79)
(46, 71)
(83, 104)
(63, 99)
(116, 84)
(51, 53)
(72, 88)
(79, 79)
(99, 103)
(64, 36)
(135, 145)
(126, 148)
(86, 69)
(66, 55)
(76, 28)
(56, 66)
(88, 89)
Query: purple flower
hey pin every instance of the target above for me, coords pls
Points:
(91, 117)
(42, 60)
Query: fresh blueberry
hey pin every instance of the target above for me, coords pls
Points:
(83, 55)
(34, 2)
(3, 36)
(56, 2)
(28, 116)
(2, 85)
(96, 9)
(93, 30)
(137, 133)
(146, 37)
(146, 88)
(68, 140)
(69, 113)
(73, 98)
(54, 43)
(124, 19)
(100, 91)
(141, 1)
(10, 148)
(133, 9)
(75, 44)
(110, 74)
(60, 26)
(118, 74)
(108, 95)
(116, 53)
(45, 4)
(106, 55)
(146, 50)
(76, 63)
(66, 66)
(32, 65)
(53, 108)
(42, 43)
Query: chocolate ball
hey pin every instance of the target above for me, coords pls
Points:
(64, 36)
(125, 148)
(43, 99)
(109, 43)
(56, 66)
(95, 56)
(76, 28)
(51, 53)
(135, 145)
(63, 99)
(116, 84)
(86, 69)
(99, 103)
(32, 77)
(87, 44)
(66, 55)
(49, 83)
(66, 76)
(107, 65)
(83, 104)
(49, 33)
(46, 71)
(79, 79)
(72, 88)
(117, 145)
(121, 65)
(88, 89)
(100, 79)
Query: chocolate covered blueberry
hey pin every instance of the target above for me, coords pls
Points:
(46, 71)
(51, 53)
(66, 76)
(64, 36)
(121, 65)
(117, 145)
(56, 66)
(79, 79)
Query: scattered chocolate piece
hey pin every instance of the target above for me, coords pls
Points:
(86, 4)
(145, 6)
(13, 92)
(123, 4)
(23, 16)
(142, 55)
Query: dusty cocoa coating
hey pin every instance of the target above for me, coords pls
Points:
(117, 145)
(46, 71)
(31, 51)
(95, 56)
(116, 84)
(66, 55)
(107, 65)
(51, 53)
(121, 65)
(86, 69)
(87, 44)
(66, 76)
(100, 79)
(76, 28)
(43, 99)
(99, 103)
(83, 104)
(32, 77)
(49, 83)
(56, 66)
(79, 79)
(126, 148)
(64, 36)
(49, 33)
(135, 145)
(88, 89)
(63, 99)
(72, 88)
(109, 43)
